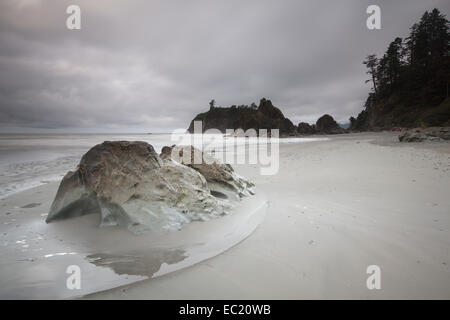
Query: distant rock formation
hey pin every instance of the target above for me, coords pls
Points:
(304, 128)
(265, 116)
(327, 125)
(428, 134)
(132, 186)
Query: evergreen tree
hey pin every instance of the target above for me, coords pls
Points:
(371, 62)
(212, 104)
(416, 72)
(429, 40)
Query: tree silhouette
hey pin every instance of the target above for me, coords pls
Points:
(372, 62)
(212, 104)
(411, 72)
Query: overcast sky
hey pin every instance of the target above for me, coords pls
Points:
(151, 66)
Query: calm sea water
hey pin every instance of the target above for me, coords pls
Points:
(27, 161)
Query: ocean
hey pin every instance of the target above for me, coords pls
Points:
(30, 160)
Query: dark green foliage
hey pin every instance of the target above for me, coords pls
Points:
(410, 81)
(372, 62)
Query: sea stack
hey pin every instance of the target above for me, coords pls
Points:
(327, 125)
(265, 116)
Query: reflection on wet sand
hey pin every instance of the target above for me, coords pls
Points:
(34, 256)
(138, 264)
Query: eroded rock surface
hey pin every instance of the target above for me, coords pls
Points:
(221, 178)
(427, 134)
(132, 186)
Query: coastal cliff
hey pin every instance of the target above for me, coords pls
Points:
(410, 82)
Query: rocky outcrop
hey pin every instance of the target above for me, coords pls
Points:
(130, 185)
(425, 134)
(327, 125)
(390, 112)
(304, 128)
(265, 116)
(222, 180)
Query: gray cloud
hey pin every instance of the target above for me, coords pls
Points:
(152, 65)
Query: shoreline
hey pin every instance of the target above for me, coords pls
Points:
(336, 206)
(35, 255)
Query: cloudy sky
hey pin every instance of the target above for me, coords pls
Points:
(141, 66)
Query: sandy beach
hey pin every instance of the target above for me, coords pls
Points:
(192, 154)
(335, 207)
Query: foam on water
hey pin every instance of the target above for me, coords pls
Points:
(27, 161)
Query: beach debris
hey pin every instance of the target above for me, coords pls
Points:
(31, 205)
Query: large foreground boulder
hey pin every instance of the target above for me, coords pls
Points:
(425, 134)
(132, 186)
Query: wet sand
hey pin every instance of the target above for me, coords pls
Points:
(34, 256)
(336, 207)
